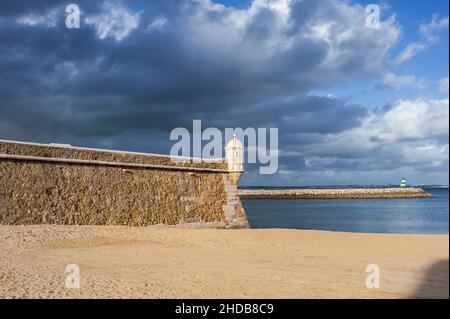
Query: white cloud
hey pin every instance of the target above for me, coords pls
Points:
(157, 24)
(418, 119)
(430, 155)
(50, 19)
(397, 82)
(407, 120)
(411, 50)
(426, 147)
(443, 85)
(429, 32)
(115, 21)
(327, 44)
(412, 132)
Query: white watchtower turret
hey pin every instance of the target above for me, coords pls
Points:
(234, 154)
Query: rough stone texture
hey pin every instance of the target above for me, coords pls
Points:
(33, 192)
(234, 211)
(342, 193)
(44, 150)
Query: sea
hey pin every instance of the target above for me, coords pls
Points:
(396, 216)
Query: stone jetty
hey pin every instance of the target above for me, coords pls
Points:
(333, 193)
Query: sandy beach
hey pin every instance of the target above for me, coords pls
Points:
(127, 262)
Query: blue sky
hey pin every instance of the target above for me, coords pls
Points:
(431, 64)
(235, 3)
(353, 105)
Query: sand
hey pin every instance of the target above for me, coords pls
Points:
(127, 262)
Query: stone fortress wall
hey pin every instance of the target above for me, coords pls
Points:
(58, 184)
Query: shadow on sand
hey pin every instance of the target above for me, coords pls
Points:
(435, 283)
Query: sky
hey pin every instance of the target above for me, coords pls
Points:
(353, 105)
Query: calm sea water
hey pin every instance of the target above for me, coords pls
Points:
(415, 215)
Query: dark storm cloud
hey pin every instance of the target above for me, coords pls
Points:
(71, 83)
(132, 73)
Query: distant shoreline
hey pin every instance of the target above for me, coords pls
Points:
(333, 193)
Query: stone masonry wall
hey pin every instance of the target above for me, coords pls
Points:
(35, 192)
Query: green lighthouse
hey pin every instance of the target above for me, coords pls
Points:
(403, 183)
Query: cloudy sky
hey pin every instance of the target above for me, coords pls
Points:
(353, 105)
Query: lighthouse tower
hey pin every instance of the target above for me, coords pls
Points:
(234, 154)
(403, 183)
